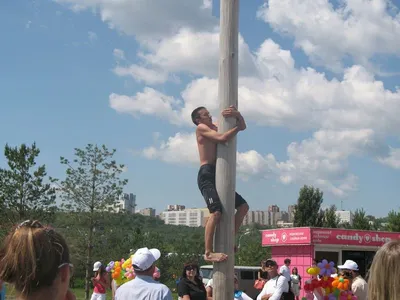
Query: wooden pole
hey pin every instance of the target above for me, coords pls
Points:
(226, 154)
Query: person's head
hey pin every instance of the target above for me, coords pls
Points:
(272, 268)
(201, 116)
(287, 262)
(383, 281)
(143, 261)
(35, 259)
(314, 262)
(349, 269)
(191, 271)
(295, 271)
(263, 263)
(98, 268)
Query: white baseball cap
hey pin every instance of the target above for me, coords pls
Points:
(349, 265)
(96, 266)
(144, 258)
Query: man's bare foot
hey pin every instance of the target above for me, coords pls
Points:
(215, 257)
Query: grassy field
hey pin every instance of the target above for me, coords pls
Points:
(79, 293)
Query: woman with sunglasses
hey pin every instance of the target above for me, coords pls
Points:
(35, 260)
(191, 286)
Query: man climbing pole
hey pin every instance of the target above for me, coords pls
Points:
(207, 139)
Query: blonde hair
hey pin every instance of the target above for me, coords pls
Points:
(383, 281)
(30, 257)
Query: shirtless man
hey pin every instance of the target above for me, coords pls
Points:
(207, 140)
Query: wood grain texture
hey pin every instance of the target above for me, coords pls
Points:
(226, 153)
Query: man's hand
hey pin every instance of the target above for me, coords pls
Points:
(231, 112)
(266, 297)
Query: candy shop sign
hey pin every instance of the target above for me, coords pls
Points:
(351, 237)
(325, 236)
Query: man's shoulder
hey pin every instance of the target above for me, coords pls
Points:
(202, 126)
(282, 279)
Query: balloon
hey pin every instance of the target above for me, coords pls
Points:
(326, 268)
(313, 271)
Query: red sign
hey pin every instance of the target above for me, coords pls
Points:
(351, 237)
(326, 236)
(286, 236)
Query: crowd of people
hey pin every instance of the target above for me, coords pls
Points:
(35, 260)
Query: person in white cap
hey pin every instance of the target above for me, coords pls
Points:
(144, 287)
(359, 286)
(100, 281)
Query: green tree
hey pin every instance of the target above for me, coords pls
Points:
(92, 186)
(24, 192)
(308, 208)
(393, 221)
(331, 220)
(251, 252)
(360, 220)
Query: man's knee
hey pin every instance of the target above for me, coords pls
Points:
(216, 215)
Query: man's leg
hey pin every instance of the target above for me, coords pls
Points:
(241, 212)
(212, 222)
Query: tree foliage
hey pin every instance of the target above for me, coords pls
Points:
(91, 187)
(360, 220)
(251, 252)
(308, 208)
(24, 192)
(331, 220)
(393, 221)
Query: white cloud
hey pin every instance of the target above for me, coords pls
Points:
(357, 28)
(146, 19)
(393, 159)
(149, 102)
(281, 95)
(119, 54)
(321, 160)
(142, 74)
(184, 53)
(349, 116)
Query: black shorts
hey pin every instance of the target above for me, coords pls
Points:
(206, 183)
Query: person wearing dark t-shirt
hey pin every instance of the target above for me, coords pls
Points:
(263, 273)
(191, 286)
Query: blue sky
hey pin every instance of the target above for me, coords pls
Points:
(77, 72)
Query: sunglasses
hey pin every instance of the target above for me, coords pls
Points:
(71, 268)
(190, 268)
(270, 264)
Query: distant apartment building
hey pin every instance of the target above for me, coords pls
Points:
(274, 215)
(125, 203)
(175, 207)
(256, 217)
(284, 216)
(345, 216)
(291, 210)
(273, 208)
(150, 212)
(192, 217)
